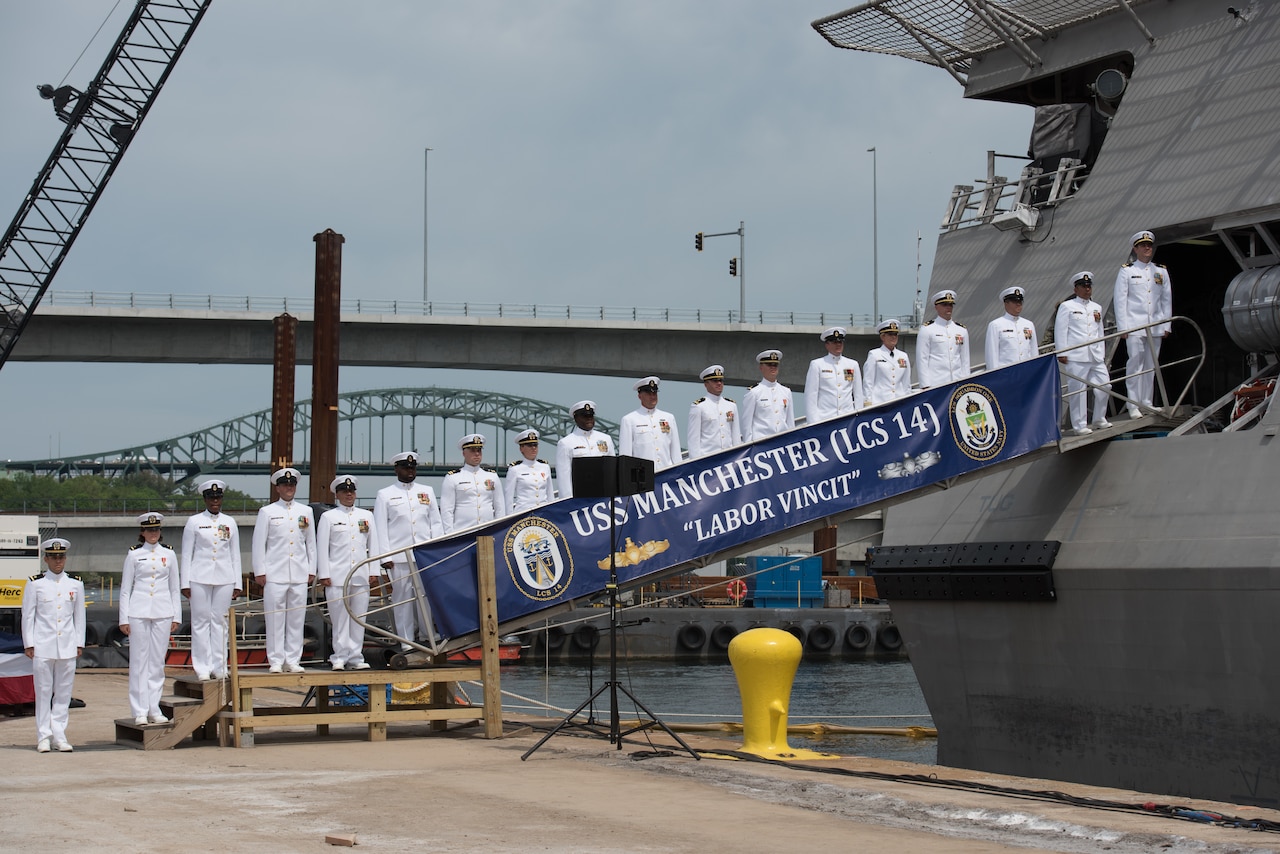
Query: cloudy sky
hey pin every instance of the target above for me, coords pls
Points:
(577, 146)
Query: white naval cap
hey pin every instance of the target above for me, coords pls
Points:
(944, 297)
(587, 406)
(769, 357)
(1142, 237)
(832, 333)
(344, 481)
(151, 519)
(1014, 293)
(646, 384)
(471, 440)
(712, 372)
(527, 437)
(212, 488)
(1084, 277)
(408, 457)
(55, 546)
(286, 472)
(888, 326)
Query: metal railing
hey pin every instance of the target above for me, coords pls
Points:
(417, 308)
(986, 199)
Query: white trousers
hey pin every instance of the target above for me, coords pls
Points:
(403, 600)
(285, 606)
(348, 635)
(1077, 374)
(1144, 355)
(209, 605)
(148, 643)
(53, 678)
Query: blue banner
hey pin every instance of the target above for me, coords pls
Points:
(560, 551)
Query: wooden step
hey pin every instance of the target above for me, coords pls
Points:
(194, 708)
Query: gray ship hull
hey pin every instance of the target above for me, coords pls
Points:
(1152, 670)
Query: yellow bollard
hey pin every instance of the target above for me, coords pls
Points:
(765, 661)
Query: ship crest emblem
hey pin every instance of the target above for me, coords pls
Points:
(538, 559)
(977, 424)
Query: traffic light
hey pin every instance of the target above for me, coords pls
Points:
(733, 266)
(697, 241)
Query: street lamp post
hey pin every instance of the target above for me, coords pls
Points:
(426, 162)
(875, 244)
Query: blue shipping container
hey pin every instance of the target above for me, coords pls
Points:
(785, 582)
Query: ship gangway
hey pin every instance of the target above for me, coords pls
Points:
(558, 557)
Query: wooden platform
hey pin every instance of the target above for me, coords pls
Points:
(224, 709)
(244, 718)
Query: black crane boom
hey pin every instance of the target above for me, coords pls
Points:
(100, 123)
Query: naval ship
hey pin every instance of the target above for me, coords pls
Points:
(1142, 660)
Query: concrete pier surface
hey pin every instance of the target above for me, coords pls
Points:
(459, 792)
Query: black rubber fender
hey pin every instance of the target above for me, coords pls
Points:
(586, 637)
(858, 636)
(890, 638)
(554, 636)
(822, 638)
(722, 635)
(115, 636)
(798, 631)
(92, 634)
(692, 637)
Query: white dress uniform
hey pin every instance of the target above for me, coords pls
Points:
(470, 496)
(1080, 320)
(942, 352)
(832, 388)
(651, 434)
(528, 485)
(579, 443)
(405, 514)
(886, 375)
(53, 625)
(713, 425)
(1143, 294)
(284, 550)
(343, 538)
(150, 603)
(211, 571)
(767, 409)
(1010, 340)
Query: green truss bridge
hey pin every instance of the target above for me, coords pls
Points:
(372, 427)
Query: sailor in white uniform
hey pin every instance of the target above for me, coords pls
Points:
(1011, 338)
(343, 537)
(942, 345)
(833, 384)
(211, 577)
(649, 432)
(53, 638)
(1079, 321)
(713, 420)
(473, 494)
(528, 479)
(584, 440)
(404, 513)
(284, 563)
(150, 608)
(767, 408)
(886, 375)
(1143, 294)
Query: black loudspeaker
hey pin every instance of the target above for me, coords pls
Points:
(610, 477)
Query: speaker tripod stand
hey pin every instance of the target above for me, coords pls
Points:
(615, 734)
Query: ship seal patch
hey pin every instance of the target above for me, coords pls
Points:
(538, 559)
(977, 424)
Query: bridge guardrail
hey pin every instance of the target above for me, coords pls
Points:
(418, 308)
